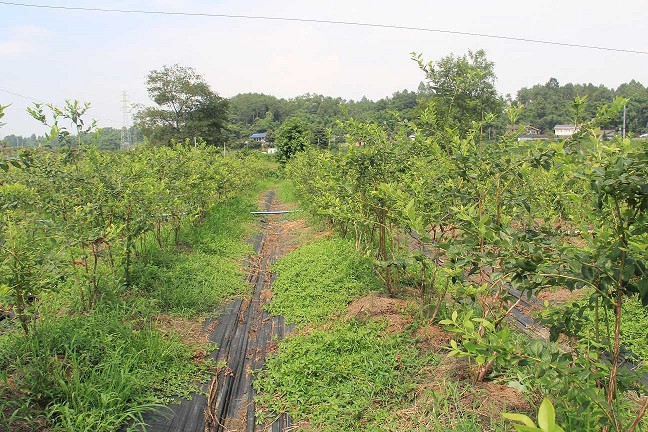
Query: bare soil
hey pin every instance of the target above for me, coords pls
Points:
(492, 399)
(394, 311)
(485, 400)
(432, 337)
(561, 295)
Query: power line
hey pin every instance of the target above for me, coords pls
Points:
(20, 95)
(323, 21)
(43, 102)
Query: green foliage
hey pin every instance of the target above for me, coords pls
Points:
(546, 419)
(72, 113)
(481, 342)
(461, 89)
(186, 109)
(546, 105)
(293, 136)
(350, 377)
(286, 192)
(99, 370)
(318, 280)
(452, 213)
(588, 320)
(92, 245)
(2, 113)
(208, 271)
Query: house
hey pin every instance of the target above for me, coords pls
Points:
(271, 150)
(259, 137)
(532, 137)
(527, 133)
(525, 129)
(565, 130)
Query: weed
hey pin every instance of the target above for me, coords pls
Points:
(318, 280)
(99, 370)
(349, 377)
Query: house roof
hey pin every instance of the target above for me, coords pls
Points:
(258, 135)
(564, 126)
(525, 126)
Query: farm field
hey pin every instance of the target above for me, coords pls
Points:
(372, 343)
(432, 269)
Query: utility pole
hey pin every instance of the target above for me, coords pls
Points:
(125, 132)
(624, 121)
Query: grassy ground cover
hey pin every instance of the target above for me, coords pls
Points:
(361, 366)
(98, 370)
(319, 279)
(348, 377)
(209, 266)
(576, 318)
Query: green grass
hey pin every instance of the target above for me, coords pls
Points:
(94, 372)
(286, 192)
(347, 378)
(354, 376)
(318, 280)
(633, 324)
(209, 270)
(98, 370)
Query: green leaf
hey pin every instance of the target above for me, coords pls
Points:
(546, 416)
(519, 418)
(520, 428)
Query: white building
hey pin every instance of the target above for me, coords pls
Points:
(565, 130)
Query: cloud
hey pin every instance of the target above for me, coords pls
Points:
(22, 40)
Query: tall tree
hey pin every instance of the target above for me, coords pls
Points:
(637, 108)
(186, 108)
(293, 136)
(462, 89)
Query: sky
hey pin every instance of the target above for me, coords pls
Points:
(52, 55)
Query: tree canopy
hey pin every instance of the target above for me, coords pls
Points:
(293, 136)
(187, 108)
(461, 88)
(545, 105)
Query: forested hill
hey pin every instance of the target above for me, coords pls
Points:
(544, 106)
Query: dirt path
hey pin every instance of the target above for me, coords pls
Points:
(244, 334)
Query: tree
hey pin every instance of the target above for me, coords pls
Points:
(293, 136)
(637, 109)
(462, 89)
(550, 104)
(320, 136)
(2, 113)
(3, 143)
(187, 108)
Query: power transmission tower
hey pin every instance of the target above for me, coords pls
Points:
(126, 141)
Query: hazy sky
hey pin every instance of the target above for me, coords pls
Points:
(52, 55)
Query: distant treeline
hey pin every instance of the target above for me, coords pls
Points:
(105, 139)
(543, 106)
